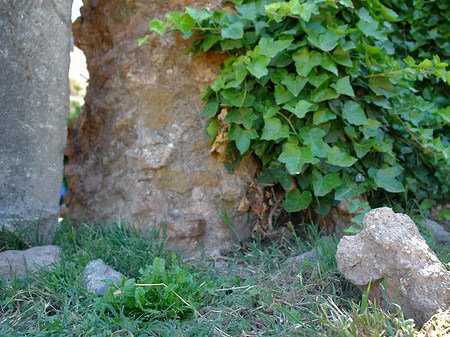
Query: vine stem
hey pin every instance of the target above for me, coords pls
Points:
(415, 138)
(292, 126)
(399, 72)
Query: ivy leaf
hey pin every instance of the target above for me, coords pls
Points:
(386, 179)
(343, 86)
(382, 86)
(198, 16)
(240, 72)
(314, 139)
(323, 94)
(282, 95)
(212, 128)
(295, 157)
(258, 64)
(305, 10)
(234, 31)
(210, 108)
(322, 116)
(183, 23)
(323, 185)
(347, 189)
(301, 108)
(295, 201)
(158, 26)
(270, 48)
(233, 97)
(363, 147)
(338, 158)
(273, 129)
(354, 114)
(248, 11)
(326, 41)
(294, 84)
(244, 116)
(242, 137)
(369, 130)
(342, 57)
(329, 64)
(305, 61)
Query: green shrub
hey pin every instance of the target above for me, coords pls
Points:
(317, 91)
(160, 293)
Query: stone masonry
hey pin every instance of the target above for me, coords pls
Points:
(138, 153)
(34, 96)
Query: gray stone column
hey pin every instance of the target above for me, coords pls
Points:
(34, 106)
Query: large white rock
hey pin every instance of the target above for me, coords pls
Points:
(390, 247)
(16, 262)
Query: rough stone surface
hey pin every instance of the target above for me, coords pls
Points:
(440, 235)
(34, 96)
(391, 247)
(15, 262)
(95, 273)
(139, 152)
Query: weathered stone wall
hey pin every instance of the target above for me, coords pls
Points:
(34, 96)
(139, 153)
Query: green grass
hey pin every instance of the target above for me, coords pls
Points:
(252, 292)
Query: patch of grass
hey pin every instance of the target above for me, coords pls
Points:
(253, 292)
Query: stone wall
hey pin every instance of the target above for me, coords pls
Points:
(138, 153)
(34, 96)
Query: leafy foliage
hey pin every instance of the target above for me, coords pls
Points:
(316, 90)
(160, 293)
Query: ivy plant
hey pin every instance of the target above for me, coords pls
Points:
(317, 91)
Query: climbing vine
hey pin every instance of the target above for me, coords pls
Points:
(318, 92)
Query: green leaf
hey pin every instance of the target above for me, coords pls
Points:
(323, 185)
(301, 108)
(295, 157)
(305, 61)
(386, 179)
(317, 81)
(323, 94)
(139, 297)
(382, 86)
(369, 130)
(183, 23)
(305, 10)
(338, 158)
(273, 129)
(363, 147)
(159, 268)
(329, 64)
(354, 114)
(242, 137)
(282, 95)
(322, 116)
(347, 189)
(158, 26)
(295, 201)
(314, 139)
(234, 31)
(342, 57)
(244, 116)
(326, 41)
(258, 64)
(343, 86)
(248, 11)
(233, 97)
(270, 48)
(294, 84)
(210, 109)
(198, 16)
(212, 128)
